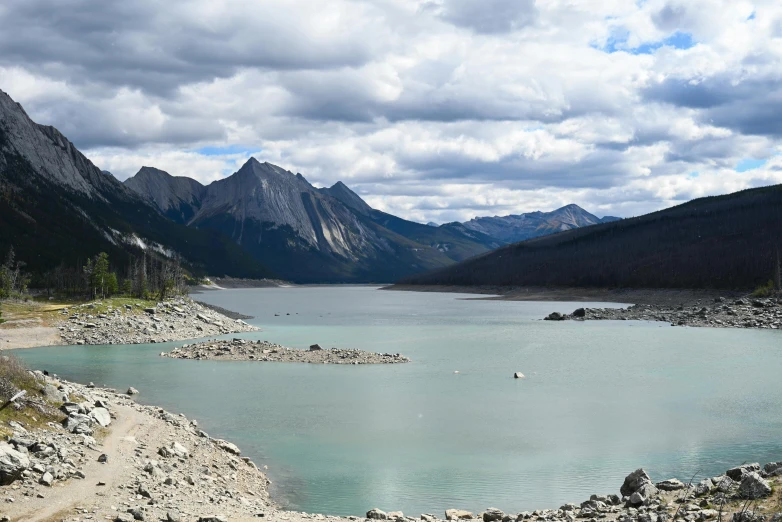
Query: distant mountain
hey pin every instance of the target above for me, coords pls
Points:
(175, 197)
(57, 207)
(303, 233)
(724, 242)
(514, 228)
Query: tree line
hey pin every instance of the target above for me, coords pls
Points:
(723, 242)
(145, 276)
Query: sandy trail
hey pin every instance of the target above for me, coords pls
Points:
(60, 501)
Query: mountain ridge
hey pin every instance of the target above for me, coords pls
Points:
(719, 242)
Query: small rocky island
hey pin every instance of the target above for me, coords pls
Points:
(721, 313)
(264, 351)
(172, 320)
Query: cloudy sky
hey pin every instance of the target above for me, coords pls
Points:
(435, 110)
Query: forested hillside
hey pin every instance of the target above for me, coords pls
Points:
(725, 242)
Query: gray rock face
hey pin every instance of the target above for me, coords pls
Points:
(634, 481)
(12, 464)
(753, 486)
(176, 197)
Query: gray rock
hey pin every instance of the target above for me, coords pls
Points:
(124, 517)
(12, 464)
(132, 391)
(773, 468)
(670, 485)
(458, 514)
(228, 446)
(377, 514)
(579, 312)
(396, 515)
(492, 515)
(518, 375)
(137, 513)
(703, 487)
(213, 518)
(739, 471)
(555, 316)
(103, 458)
(634, 481)
(73, 421)
(69, 408)
(315, 348)
(636, 499)
(753, 486)
(46, 479)
(173, 516)
(101, 416)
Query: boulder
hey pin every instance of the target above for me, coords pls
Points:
(315, 348)
(518, 375)
(101, 416)
(46, 479)
(773, 468)
(739, 471)
(492, 515)
(555, 316)
(213, 518)
(458, 514)
(670, 485)
(579, 312)
(12, 464)
(377, 514)
(636, 499)
(132, 391)
(228, 446)
(174, 449)
(396, 515)
(426, 517)
(78, 423)
(70, 407)
(703, 487)
(753, 486)
(634, 481)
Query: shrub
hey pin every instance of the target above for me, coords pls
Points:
(766, 290)
(14, 377)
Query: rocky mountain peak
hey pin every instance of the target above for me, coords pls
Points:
(347, 197)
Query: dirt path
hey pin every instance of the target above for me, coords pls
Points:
(119, 445)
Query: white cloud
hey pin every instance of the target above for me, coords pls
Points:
(431, 109)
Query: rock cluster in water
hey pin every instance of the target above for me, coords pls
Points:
(173, 320)
(741, 313)
(264, 351)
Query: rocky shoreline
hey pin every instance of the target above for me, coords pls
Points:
(264, 351)
(102, 456)
(719, 313)
(173, 320)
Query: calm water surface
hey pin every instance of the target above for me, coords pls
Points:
(600, 399)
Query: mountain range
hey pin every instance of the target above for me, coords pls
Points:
(262, 221)
(722, 242)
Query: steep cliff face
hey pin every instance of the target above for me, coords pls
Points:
(57, 207)
(514, 228)
(177, 198)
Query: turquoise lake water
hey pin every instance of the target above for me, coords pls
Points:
(600, 399)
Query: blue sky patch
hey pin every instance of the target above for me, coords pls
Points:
(749, 164)
(677, 40)
(617, 42)
(751, 17)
